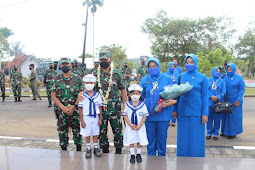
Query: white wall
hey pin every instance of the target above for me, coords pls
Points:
(25, 66)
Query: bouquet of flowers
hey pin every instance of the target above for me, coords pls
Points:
(172, 92)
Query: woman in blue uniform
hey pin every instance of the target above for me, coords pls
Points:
(216, 93)
(178, 68)
(192, 112)
(157, 122)
(171, 71)
(232, 123)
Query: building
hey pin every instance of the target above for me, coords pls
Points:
(23, 61)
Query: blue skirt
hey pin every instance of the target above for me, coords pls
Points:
(190, 136)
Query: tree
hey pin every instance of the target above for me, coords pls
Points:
(4, 45)
(16, 48)
(118, 54)
(246, 47)
(87, 56)
(6, 32)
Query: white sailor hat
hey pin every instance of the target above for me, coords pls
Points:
(135, 87)
(89, 78)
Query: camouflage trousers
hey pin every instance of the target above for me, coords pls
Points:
(16, 88)
(113, 116)
(2, 89)
(48, 93)
(64, 121)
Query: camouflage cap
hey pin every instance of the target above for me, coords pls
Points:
(125, 62)
(96, 62)
(104, 55)
(65, 60)
(75, 61)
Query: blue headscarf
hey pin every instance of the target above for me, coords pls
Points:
(214, 70)
(169, 65)
(233, 67)
(153, 59)
(194, 57)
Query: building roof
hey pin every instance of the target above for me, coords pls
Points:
(18, 60)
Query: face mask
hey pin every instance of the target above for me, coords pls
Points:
(75, 65)
(51, 67)
(225, 64)
(143, 62)
(125, 66)
(154, 71)
(30, 68)
(104, 64)
(65, 69)
(89, 87)
(171, 70)
(230, 73)
(190, 67)
(217, 74)
(135, 97)
(176, 64)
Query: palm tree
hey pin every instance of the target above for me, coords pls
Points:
(6, 32)
(16, 48)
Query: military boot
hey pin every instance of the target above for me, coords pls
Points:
(78, 147)
(64, 148)
(19, 100)
(15, 99)
(3, 98)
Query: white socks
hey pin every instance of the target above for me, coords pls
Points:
(96, 145)
(88, 146)
(132, 151)
(139, 150)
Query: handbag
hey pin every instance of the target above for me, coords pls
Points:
(223, 107)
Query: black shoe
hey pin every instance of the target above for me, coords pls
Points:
(139, 158)
(50, 104)
(105, 150)
(64, 148)
(78, 147)
(97, 152)
(215, 138)
(15, 99)
(88, 153)
(231, 137)
(132, 159)
(208, 137)
(173, 125)
(19, 100)
(40, 98)
(222, 134)
(34, 99)
(118, 151)
(3, 99)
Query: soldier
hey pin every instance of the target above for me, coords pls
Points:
(33, 81)
(2, 84)
(76, 70)
(96, 64)
(111, 88)
(47, 80)
(64, 92)
(142, 71)
(16, 81)
(126, 73)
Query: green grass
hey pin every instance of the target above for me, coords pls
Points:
(249, 91)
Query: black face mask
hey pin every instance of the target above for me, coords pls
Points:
(75, 65)
(143, 62)
(15, 69)
(30, 68)
(96, 67)
(225, 64)
(65, 69)
(105, 64)
(125, 66)
(51, 67)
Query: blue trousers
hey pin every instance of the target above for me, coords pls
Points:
(173, 120)
(190, 136)
(157, 136)
(213, 124)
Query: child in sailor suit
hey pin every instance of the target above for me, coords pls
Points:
(135, 114)
(90, 111)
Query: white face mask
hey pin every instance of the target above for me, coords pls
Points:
(89, 86)
(135, 97)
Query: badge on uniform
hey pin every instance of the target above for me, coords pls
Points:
(141, 114)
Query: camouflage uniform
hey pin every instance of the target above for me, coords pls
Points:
(126, 80)
(86, 71)
(49, 76)
(112, 114)
(95, 68)
(67, 90)
(142, 71)
(16, 78)
(2, 84)
(77, 71)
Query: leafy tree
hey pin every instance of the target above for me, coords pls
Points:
(87, 56)
(118, 54)
(4, 45)
(246, 47)
(16, 48)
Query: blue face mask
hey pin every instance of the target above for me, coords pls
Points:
(230, 73)
(217, 74)
(171, 70)
(176, 64)
(154, 71)
(190, 67)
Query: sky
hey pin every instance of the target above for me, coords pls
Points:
(53, 28)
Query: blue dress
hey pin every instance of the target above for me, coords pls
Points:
(156, 123)
(191, 107)
(232, 123)
(175, 78)
(216, 87)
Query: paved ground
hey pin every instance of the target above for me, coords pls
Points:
(33, 119)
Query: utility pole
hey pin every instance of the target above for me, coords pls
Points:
(84, 45)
